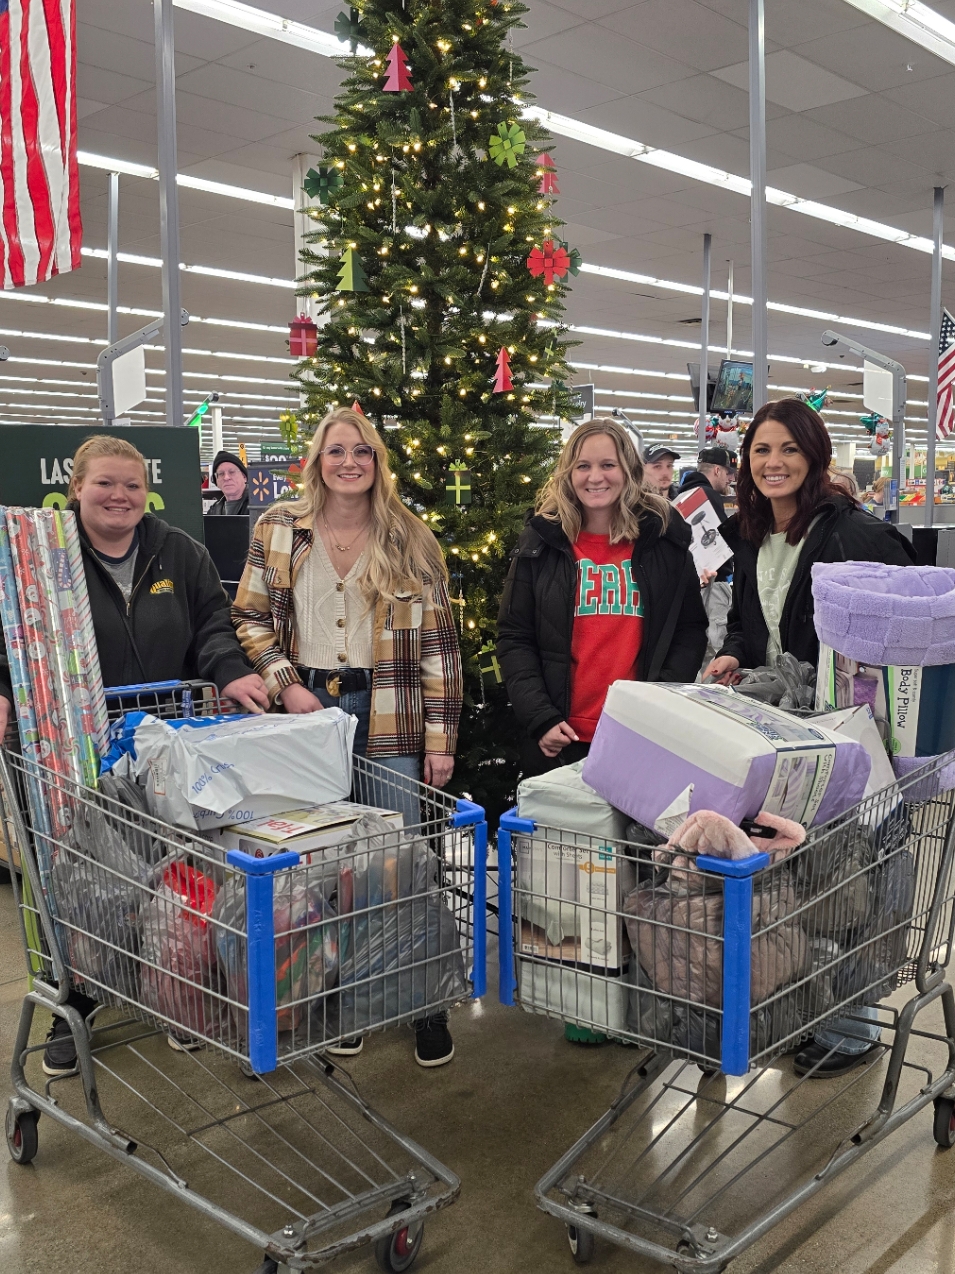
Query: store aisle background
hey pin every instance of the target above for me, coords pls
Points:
(511, 1103)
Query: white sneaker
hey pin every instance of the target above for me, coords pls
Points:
(346, 1048)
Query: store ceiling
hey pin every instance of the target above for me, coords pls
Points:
(857, 119)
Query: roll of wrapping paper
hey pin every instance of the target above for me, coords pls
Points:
(52, 542)
(23, 706)
(57, 746)
(81, 600)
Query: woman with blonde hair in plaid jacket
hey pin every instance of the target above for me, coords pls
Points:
(344, 603)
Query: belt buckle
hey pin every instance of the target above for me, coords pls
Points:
(333, 684)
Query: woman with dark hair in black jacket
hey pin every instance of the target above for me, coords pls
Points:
(601, 587)
(791, 516)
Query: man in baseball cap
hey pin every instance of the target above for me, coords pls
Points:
(658, 469)
(714, 473)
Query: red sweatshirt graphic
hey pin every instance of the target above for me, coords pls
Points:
(608, 627)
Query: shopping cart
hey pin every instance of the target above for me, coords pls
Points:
(723, 967)
(268, 962)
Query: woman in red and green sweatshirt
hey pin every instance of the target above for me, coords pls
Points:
(601, 588)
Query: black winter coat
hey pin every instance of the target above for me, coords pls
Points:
(219, 509)
(177, 624)
(536, 621)
(844, 533)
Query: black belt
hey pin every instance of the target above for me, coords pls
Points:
(337, 681)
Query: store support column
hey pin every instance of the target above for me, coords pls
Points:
(704, 343)
(169, 206)
(757, 173)
(938, 224)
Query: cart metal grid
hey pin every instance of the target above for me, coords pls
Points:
(309, 950)
(730, 965)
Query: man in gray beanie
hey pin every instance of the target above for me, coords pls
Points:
(230, 475)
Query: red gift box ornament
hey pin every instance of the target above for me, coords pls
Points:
(303, 337)
(399, 78)
(548, 175)
(550, 260)
(502, 378)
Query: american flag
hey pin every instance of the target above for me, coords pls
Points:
(40, 227)
(945, 419)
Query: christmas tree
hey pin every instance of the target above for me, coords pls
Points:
(437, 213)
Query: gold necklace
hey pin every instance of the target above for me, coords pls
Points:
(342, 548)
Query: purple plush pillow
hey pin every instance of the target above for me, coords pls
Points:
(879, 614)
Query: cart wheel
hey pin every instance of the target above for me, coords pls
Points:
(268, 1266)
(582, 1242)
(397, 1252)
(944, 1128)
(22, 1138)
(687, 1249)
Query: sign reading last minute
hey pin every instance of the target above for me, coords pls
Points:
(57, 472)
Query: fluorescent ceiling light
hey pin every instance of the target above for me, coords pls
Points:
(89, 160)
(258, 21)
(238, 276)
(917, 22)
(101, 306)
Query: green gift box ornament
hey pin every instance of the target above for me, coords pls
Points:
(458, 485)
(491, 674)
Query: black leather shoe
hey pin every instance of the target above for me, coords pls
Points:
(824, 1064)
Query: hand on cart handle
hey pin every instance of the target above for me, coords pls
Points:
(248, 692)
(6, 709)
(297, 698)
(438, 768)
(723, 670)
(556, 739)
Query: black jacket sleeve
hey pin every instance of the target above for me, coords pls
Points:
(215, 650)
(519, 654)
(688, 646)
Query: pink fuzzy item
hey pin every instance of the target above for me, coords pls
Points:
(787, 835)
(706, 832)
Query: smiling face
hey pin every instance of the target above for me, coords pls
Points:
(348, 478)
(778, 466)
(597, 476)
(231, 481)
(112, 499)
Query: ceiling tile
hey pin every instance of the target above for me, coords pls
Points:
(873, 119)
(609, 59)
(880, 59)
(809, 182)
(701, 38)
(794, 82)
(707, 99)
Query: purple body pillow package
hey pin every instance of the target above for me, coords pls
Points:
(661, 751)
(886, 615)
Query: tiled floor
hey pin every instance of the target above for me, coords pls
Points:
(511, 1103)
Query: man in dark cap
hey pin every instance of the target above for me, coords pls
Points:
(658, 469)
(714, 473)
(230, 475)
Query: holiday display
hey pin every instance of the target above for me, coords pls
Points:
(817, 399)
(879, 432)
(547, 170)
(442, 231)
(458, 485)
(502, 377)
(575, 260)
(549, 260)
(491, 674)
(303, 337)
(348, 28)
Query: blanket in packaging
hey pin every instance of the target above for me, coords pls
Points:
(661, 752)
(215, 766)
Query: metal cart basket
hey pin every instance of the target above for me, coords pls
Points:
(253, 967)
(726, 967)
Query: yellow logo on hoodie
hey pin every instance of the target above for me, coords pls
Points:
(162, 586)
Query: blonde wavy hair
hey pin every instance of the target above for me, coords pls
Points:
(558, 501)
(95, 448)
(399, 547)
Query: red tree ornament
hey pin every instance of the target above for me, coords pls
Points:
(548, 175)
(502, 380)
(399, 78)
(550, 260)
(303, 337)
(356, 406)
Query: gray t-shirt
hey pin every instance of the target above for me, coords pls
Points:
(122, 569)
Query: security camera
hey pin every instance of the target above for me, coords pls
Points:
(213, 398)
(829, 339)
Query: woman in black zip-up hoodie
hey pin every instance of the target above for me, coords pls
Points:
(601, 587)
(790, 516)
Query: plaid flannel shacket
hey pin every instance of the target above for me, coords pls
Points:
(417, 690)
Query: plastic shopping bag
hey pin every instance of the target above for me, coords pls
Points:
(179, 975)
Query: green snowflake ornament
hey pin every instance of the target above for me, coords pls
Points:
(322, 183)
(506, 145)
(349, 29)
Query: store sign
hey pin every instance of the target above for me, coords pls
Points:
(38, 463)
(266, 483)
(276, 451)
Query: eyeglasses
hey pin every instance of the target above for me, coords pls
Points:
(363, 454)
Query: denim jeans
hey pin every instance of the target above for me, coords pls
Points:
(848, 1036)
(357, 703)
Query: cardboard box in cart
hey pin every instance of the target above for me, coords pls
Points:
(303, 830)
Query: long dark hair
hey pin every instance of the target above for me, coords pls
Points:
(812, 437)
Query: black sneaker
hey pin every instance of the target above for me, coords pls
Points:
(59, 1056)
(434, 1046)
(347, 1048)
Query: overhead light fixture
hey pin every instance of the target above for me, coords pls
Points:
(108, 164)
(917, 22)
(248, 18)
(73, 304)
(238, 276)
